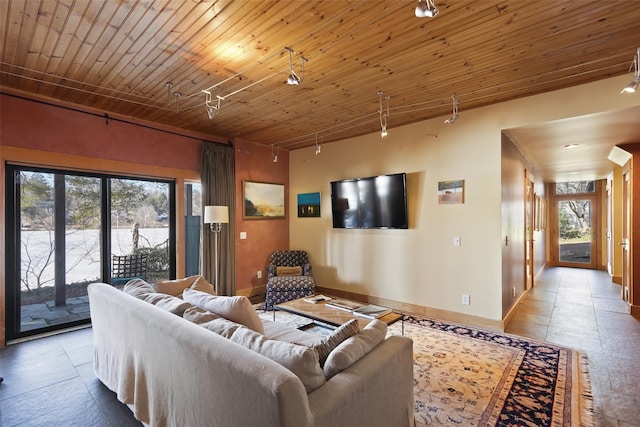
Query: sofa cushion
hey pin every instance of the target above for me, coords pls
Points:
(289, 271)
(299, 359)
(138, 288)
(330, 342)
(199, 315)
(237, 308)
(174, 287)
(223, 327)
(281, 331)
(354, 348)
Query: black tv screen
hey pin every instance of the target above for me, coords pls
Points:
(372, 202)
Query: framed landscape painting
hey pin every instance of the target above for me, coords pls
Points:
(262, 200)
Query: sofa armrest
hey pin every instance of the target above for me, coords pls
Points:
(375, 391)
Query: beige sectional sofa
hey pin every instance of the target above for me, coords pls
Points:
(177, 364)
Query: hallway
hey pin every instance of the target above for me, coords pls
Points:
(584, 310)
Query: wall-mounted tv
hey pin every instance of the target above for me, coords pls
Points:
(372, 202)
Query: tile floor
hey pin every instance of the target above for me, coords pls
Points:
(584, 310)
(50, 381)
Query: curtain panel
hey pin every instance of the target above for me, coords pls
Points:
(218, 179)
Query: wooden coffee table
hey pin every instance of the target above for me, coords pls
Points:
(330, 316)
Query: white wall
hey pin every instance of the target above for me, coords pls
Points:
(420, 265)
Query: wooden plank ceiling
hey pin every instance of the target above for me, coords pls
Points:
(119, 56)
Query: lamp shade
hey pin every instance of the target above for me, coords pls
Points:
(216, 214)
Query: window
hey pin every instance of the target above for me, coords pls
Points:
(575, 187)
(64, 231)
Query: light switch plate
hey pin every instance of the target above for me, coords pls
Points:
(243, 235)
(456, 241)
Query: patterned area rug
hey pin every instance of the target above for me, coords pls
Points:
(470, 377)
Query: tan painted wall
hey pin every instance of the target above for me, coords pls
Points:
(420, 265)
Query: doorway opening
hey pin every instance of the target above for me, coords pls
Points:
(574, 224)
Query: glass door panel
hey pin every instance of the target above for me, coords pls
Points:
(140, 219)
(59, 248)
(60, 238)
(575, 231)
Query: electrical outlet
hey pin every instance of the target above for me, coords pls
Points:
(259, 274)
(465, 299)
(456, 241)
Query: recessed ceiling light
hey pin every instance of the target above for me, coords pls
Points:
(570, 146)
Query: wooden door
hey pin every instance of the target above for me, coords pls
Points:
(626, 227)
(529, 226)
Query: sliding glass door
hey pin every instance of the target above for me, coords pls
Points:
(64, 230)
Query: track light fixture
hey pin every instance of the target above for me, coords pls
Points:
(177, 95)
(293, 78)
(633, 86)
(274, 153)
(383, 114)
(211, 109)
(455, 115)
(426, 8)
(318, 145)
(169, 85)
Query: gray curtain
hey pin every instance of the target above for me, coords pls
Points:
(218, 178)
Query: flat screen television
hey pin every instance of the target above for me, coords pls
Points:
(372, 202)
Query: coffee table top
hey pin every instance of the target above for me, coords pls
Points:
(331, 316)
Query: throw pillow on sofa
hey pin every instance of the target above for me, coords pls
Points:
(223, 327)
(199, 315)
(142, 290)
(174, 287)
(354, 348)
(237, 308)
(168, 303)
(329, 343)
(301, 360)
(138, 288)
(203, 285)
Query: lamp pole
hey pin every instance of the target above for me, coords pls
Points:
(215, 216)
(215, 229)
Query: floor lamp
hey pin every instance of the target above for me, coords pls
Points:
(215, 216)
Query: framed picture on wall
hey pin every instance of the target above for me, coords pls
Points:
(451, 192)
(309, 205)
(262, 200)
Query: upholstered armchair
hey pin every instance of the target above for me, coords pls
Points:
(288, 277)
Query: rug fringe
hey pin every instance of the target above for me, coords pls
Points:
(586, 396)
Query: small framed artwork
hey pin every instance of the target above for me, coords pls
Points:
(262, 200)
(451, 192)
(309, 205)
